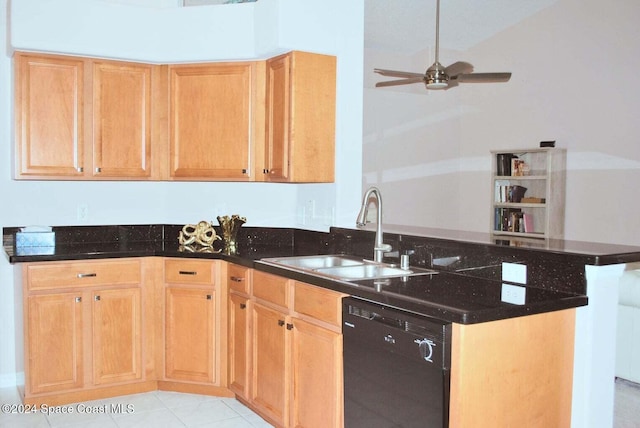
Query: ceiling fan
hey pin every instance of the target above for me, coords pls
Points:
(439, 77)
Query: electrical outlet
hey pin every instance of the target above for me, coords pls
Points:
(83, 212)
(513, 294)
(514, 272)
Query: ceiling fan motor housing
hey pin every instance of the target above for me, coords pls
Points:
(436, 77)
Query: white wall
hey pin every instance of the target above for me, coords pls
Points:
(574, 81)
(164, 34)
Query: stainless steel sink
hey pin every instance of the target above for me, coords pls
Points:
(344, 268)
(365, 271)
(316, 262)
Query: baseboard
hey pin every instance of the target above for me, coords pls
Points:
(8, 380)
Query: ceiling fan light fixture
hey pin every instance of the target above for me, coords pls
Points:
(436, 77)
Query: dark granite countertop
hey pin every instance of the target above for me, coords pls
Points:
(466, 291)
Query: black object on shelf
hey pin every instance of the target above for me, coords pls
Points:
(503, 163)
(548, 143)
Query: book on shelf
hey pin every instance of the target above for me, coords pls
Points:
(527, 220)
(503, 163)
(519, 167)
(505, 192)
(532, 200)
(513, 220)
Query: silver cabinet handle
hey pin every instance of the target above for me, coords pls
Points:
(78, 299)
(209, 297)
(86, 275)
(236, 279)
(243, 305)
(98, 170)
(187, 272)
(96, 298)
(80, 169)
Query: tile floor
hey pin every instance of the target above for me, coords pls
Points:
(627, 404)
(158, 409)
(162, 409)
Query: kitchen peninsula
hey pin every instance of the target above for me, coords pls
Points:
(466, 291)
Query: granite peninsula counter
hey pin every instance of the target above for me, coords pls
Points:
(466, 290)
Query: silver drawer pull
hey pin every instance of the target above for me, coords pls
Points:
(187, 272)
(236, 279)
(87, 275)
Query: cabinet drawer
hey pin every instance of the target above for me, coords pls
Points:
(44, 276)
(239, 278)
(184, 271)
(271, 288)
(317, 302)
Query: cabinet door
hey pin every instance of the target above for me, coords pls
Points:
(190, 334)
(277, 126)
(239, 345)
(54, 343)
(117, 335)
(49, 116)
(210, 121)
(270, 363)
(121, 120)
(300, 118)
(317, 376)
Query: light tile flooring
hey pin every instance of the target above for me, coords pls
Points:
(627, 404)
(158, 409)
(162, 409)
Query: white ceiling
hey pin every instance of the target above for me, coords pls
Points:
(408, 26)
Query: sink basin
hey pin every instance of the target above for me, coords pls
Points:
(315, 262)
(343, 268)
(365, 271)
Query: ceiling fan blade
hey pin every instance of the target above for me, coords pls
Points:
(400, 82)
(484, 77)
(459, 67)
(453, 82)
(394, 73)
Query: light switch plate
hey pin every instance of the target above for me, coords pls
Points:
(514, 272)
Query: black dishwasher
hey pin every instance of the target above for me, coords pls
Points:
(396, 367)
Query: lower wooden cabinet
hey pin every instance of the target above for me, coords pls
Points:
(117, 335)
(296, 356)
(271, 363)
(191, 321)
(239, 344)
(190, 334)
(54, 343)
(317, 376)
(83, 327)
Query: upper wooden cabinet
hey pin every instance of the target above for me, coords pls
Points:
(300, 118)
(49, 114)
(210, 121)
(80, 118)
(90, 119)
(121, 120)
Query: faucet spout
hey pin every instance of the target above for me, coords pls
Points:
(380, 247)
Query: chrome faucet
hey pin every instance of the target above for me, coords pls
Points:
(380, 247)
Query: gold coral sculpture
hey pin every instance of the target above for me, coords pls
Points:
(202, 234)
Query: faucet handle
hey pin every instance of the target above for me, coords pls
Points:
(404, 261)
(384, 247)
